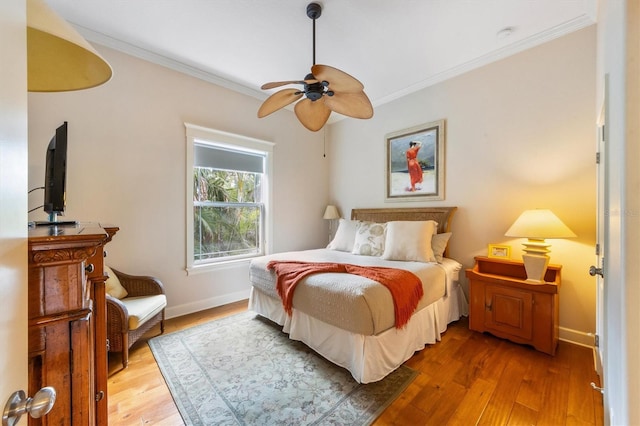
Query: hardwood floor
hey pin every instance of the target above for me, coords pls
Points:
(468, 378)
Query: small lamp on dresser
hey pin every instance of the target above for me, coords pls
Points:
(537, 225)
(331, 214)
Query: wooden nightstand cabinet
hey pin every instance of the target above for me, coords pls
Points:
(504, 304)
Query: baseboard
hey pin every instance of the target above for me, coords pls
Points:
(577, 337)
(201, 305)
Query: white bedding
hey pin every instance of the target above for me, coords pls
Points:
(368, 356)
(349, 301)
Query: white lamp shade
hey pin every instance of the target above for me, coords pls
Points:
(536, 226)
(539, 224)
(58, 58)
(331, 212)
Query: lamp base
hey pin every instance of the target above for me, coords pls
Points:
(536, 267)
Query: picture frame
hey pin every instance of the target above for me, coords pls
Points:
(417, 175)
(499, 251)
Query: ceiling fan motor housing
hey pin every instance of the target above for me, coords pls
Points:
(314, 91)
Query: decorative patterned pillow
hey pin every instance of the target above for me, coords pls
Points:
(369, 239)
(113, 286)
(345, 235)
(410, 241)
(439, 244)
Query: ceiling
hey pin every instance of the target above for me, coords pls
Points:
(393, 47)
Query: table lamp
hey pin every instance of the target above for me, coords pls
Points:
(537, 225)
(331, 214)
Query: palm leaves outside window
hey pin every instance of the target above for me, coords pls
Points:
(227, 210)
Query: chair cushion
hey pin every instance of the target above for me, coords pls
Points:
(113, 286)
(142, 308)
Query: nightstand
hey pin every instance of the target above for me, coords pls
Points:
(506, 305)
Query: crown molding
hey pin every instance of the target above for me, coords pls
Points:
(519, 46)
(165, 61)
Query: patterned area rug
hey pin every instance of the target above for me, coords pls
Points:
(243, 370)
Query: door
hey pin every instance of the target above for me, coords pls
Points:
(510, 311)
(13, 199)
(602, 229)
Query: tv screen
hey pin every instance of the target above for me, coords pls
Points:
(56, 174)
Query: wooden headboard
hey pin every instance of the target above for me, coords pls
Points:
(442, 215)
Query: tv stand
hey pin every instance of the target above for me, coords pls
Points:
(67, 313)
(56, 223)
(53, 220)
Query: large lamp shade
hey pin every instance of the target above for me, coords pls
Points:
(538, 225)
(58, 58)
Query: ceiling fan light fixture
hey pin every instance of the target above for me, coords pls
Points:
(323, 83)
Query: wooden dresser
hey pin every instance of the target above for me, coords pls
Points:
(506, 305)
(67, 321)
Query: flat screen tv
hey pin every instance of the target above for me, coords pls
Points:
(55, 177)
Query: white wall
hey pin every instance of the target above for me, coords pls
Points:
(520, 135)
(126, 167)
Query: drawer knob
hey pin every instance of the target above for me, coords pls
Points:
(90, 268)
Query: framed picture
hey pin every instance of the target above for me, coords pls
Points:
(415, 163)
(499, 251)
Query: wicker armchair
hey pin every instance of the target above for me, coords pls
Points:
(132, 316)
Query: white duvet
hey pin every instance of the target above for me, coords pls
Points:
(368, 356)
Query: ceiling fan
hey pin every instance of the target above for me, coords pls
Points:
(325, 89)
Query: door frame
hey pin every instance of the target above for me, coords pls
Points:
(13, 198)
(602, 229)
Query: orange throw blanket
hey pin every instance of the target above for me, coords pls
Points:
(405, 287)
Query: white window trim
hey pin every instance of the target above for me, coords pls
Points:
(199, 133)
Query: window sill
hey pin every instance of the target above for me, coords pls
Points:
(217, 266)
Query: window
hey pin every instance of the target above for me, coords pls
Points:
(227, 197)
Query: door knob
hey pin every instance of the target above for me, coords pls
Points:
(593, 271)
(18, 404)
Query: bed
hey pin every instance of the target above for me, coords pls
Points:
(349, 319)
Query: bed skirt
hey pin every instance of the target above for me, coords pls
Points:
(368, 358)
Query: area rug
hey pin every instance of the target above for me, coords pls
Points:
(243, 370)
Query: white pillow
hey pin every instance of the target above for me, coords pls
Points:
(439, 244)
(410, 240)
(370, 238)
(113, 286)
(345, 235)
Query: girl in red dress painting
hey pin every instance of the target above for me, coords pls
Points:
(415, 171)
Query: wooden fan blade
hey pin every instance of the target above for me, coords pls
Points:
(356, 105)
(339, 81)
(278, 100)
(275, 84)
(312, 114)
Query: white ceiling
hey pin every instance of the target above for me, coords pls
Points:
(393, 47)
